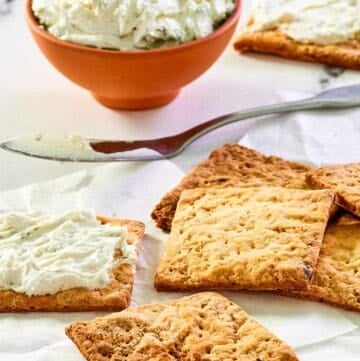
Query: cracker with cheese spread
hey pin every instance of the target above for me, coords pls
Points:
(295, 30)
(114, 296)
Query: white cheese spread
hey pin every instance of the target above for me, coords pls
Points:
(72, 147)
(131, 24)
(320, 22)
(46, 254)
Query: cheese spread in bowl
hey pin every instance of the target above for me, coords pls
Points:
(132, 54)
(131, 24)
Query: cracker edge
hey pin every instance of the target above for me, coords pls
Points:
(50, 303)
(317, 296)
(340, 201)
(276, 43)
(315, 293)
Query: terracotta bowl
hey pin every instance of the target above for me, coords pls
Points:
(133, 79)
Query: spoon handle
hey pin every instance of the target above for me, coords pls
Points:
(190, 135)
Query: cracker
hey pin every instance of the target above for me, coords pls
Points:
(244, 238)
(204, 326)
(344, 179)
(346, 55)
(337, 276)
(116, 296)
(232, 165)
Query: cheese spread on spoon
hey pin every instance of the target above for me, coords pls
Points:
(73, 147)
(131, 24)
(46, 254)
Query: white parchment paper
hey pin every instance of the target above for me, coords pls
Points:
(131, 191)
(313, 137)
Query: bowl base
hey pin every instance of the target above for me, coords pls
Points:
(136, 103)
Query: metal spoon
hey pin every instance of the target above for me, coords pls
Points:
(167, 147)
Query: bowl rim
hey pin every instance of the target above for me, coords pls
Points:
(34, 25)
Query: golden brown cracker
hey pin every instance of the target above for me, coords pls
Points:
(346, 55)
(232, 165)
(337, 275)
(344, 179)
(262, 238)
(204, 326)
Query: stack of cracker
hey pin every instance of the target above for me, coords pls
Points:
(239, 220)
(243, 220)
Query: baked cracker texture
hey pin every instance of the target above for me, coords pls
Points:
(232, 165)
(337, 276)
(244, 238)
(204, 326)
(344, 179)
(346, 55)
(114, 297)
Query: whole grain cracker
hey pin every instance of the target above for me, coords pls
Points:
(337, 275)
(204, 326)
(232, 165)
(115, 297)
(346, 55)
(262, 238)
(344, 179)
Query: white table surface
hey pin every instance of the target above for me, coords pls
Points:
(34, 97)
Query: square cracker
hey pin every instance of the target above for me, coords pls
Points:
(244, 238)
(116, 296)
(337, 275)
(204, 326)
(346, 55)
(344, 179)
(232, 165)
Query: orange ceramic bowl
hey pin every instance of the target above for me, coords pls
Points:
(133, 79)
